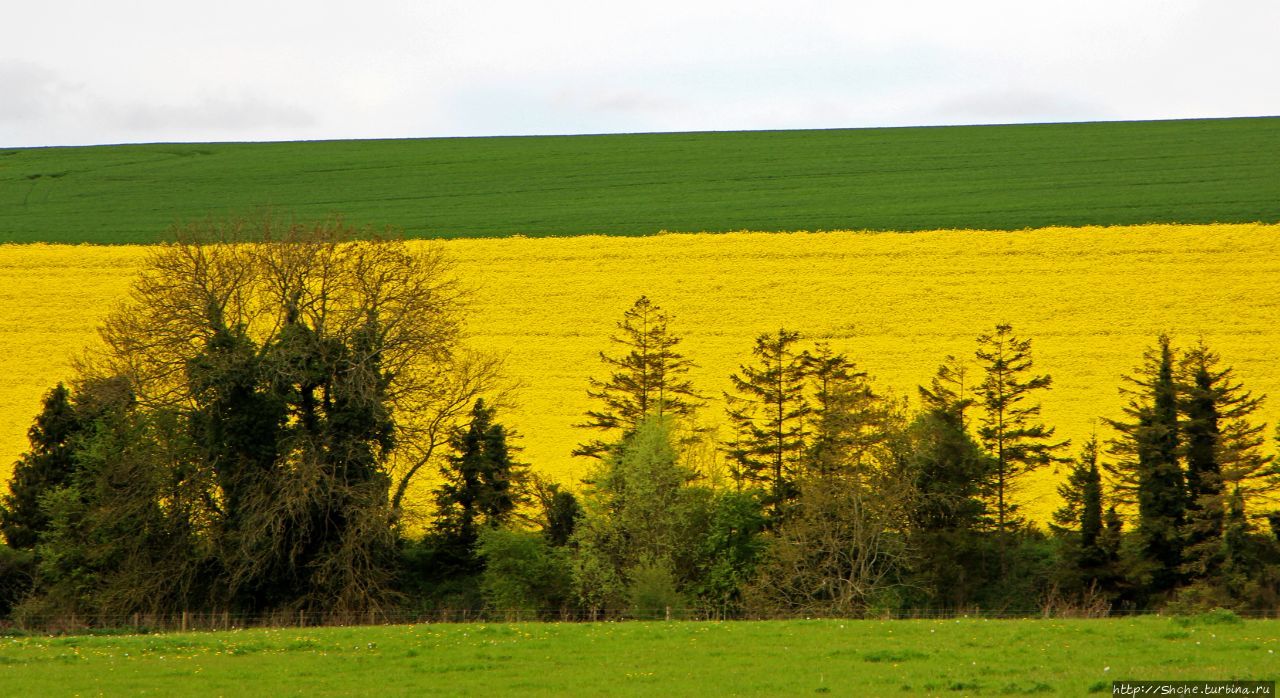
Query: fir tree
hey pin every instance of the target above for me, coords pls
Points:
(848, 417)
(1016, 441)
(1148, 469)
(482, 486)
(648, 378)
(948, 465)
(1222, 454)
(47, 466)
(768, 415)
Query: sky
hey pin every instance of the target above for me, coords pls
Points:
(76, 72)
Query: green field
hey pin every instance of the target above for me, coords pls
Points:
(991, 177)
(859, 658)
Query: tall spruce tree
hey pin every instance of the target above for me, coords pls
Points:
(1080, 519)
(649, 377)
(1148, 469)
(948, 465)
(1009, 426)
(768, 414)
(46, 466)
(1222, 453)
(482, 484)
(849, 418)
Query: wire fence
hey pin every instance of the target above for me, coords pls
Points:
(189, 621)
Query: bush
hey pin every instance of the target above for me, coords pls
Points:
(523, 573)
(652, 592)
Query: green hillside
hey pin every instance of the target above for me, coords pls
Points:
(889, 179)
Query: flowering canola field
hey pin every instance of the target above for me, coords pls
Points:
(1090, 298)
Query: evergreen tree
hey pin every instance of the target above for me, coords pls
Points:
(1148, 469)
(1082, 498)
(48, 465)
(482, 485)
(648, 378)
(1222, 454)
(1009, 431)
(848, 417)
(768, 415)
(949, 466)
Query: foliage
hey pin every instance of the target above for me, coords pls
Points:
(769, 413)
(649, 378)
(47, 466)
(897, 302)
(523, 572)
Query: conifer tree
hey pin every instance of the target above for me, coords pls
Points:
(648, 378)
(1222, 453)
(1082, 497)
(482, 485)
(768, 415)
(46, 466)
(848, 418)
(948, 465)
(1148, 470)
(1017, 442)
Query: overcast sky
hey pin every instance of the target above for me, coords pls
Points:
(88, 71)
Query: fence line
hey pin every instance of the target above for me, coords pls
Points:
(187, 621)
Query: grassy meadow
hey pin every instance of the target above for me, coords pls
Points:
(1091, 298)
(851, 658)
(986, 177)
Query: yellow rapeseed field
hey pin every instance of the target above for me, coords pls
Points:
(1090, 298)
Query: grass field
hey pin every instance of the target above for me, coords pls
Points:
(1092, 299)
(851, 658)
(991, 177)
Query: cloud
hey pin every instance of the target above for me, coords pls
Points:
(229, 113)
(32, 92)
(1014, 106)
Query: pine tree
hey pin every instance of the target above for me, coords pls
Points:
(649, 378)
(848, 417)
(948, 465)
(1017, 443)
(1222, 454)
(47, 466)
(1148, 470)
(482, 485)
(1080, 520)
(1082, 497)
(768, 415)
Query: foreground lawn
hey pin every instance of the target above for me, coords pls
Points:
(862, 658)
(993, 177)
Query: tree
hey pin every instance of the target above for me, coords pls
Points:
(294, 357)
(560, 511)
(640, 520)
(768, 415)
(482, 484)
(848, 417)
(649, 378)
(948, 465)
(1009, 431)
(1148, 469)
(46, 466)
(1222, 454)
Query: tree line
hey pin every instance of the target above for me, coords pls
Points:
(247, 435)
